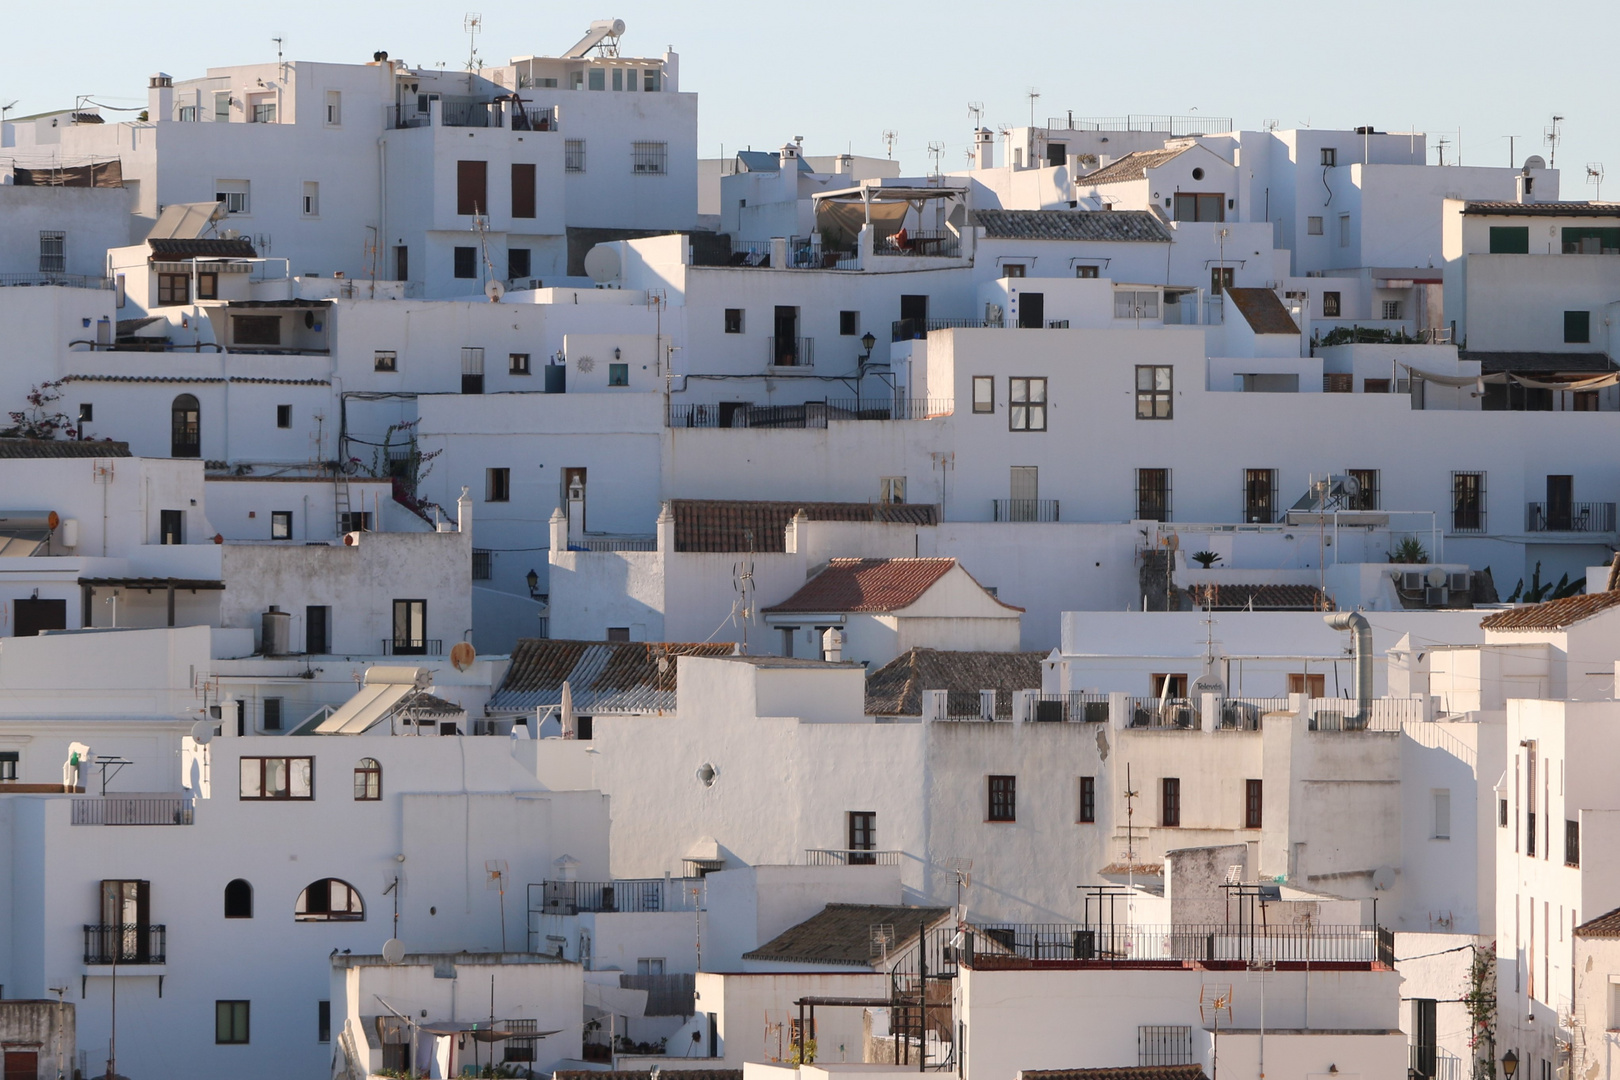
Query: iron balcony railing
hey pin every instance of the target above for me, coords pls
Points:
(809, 414)
(1152, 712)
(132, 810)
(923, 243)
(916, 329)
(1169, 125)
(71, 281)
(615, 543)
(126, 943)
(1212, 943)
(850, 857)
(392, 646)
(634, 895)
(1382, 714)
(1070, 708)
(1243, 714)
(790, 351)
(1025, 510)
(1575, 517)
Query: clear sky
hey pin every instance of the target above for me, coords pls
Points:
(841, 74)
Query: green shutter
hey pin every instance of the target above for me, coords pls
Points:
(1510, 239)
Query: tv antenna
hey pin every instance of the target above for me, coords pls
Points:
(472, 24)
(1270, 125)
(282, 64)
(495, 871)
(742, 580)
(890, 137)
(935, 149)
(1033, 93)
(880, 937)
(1440, 145)
(1212, 1002)
(1594, 176)
(7, 108)
(976, 110)
(1552, 136)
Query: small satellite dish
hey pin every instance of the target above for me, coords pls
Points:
(1207, 684)
(494, 290)
(1436, 578)
(393, 951)
(462, 655)
(602, 263)
(1384, 878)
(202, 732)
(1534, 161)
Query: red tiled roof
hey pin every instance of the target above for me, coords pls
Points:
(869, 585)
(1260, 597)
(1606, 925)
(1552, 615)
(730, 525)
(1262, 310)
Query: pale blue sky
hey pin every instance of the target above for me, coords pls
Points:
(840, 74)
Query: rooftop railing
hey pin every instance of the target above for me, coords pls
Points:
(132, 810)
(851, 857)
(810, 414)
(615, 543)
(1215, 943)
(1382, 714)
(1171, 713)
(915, 329)
(925, 243)
(392, 646)
(1074, 708)
(634, 895)
(1574, 517)
(1025, 510)
(69, 281)
(1243, 714)
(1168, 125)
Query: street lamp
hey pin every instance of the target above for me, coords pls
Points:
(534, 584)
(868, 342)
(1510, 1064)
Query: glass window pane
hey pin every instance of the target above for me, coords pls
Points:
(303, 770)
(275, 778)
(251, 787)
(1161, 378)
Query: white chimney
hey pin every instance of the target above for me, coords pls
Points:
(788, 157)
(576, 511)
(832, 645)
(844, 164)
(984, 149)
(160, 97)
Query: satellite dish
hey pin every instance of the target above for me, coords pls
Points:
(202, 732)
(462, 655)
(494, 290)
(393, 951)
(1384, 878)
(602, 263)
(1207, 684)
(1436, 578)
(1350, 485)
(1534, 161)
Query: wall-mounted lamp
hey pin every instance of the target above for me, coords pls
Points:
(534, 584)
(1510, 1064)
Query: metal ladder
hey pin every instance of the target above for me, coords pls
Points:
(340, 498)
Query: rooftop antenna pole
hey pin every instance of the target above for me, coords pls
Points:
(1510, 139)
(1033, 94)
(1594, 176)
(280, 62)
(889, 138)
(471, 24)
(1130, 842)
(1553, 137)
(976, 110)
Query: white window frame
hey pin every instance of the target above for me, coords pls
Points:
(1313, 225)
(312, 199)
(334, 108)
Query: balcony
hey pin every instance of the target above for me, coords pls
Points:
(809, 414)
(478, 114)
(917, 329)
(127, 943)
(925, 243)
(632, 895)
(1169, 713)
(798, 253)
(70, 281)
(1215, 943)
(1243, 714)
(132, 810)
(1070, 708)
(412, 647)
(790, 351)
(1575, 517)
(850, 857)
(1025, 510)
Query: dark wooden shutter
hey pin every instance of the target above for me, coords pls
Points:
(472, 182)
(523, 190)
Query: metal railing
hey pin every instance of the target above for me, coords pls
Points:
(1213, 943)
(1169, 125)
(809, 414)
(1576, 517)
(1070, 708)
(132, 810)
(850, 857)
(1148, 712)
(633, 895)
(917, 329)
(1025, 510)
(1382, 714)
(70, 281)
(924, 243)
(536, 118)
(1243, 714)
(412, 646)
(615, 543)
(476, 114)
(790, 351)
(125, 943)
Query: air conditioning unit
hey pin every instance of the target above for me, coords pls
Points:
(1461, 582)
(1412, 580)
(1434, 597)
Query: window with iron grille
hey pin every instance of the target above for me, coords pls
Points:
(1252, 802)
(574, 155)
(1154, 391)
(1170, 802)
(1088, 800)
(649, 158)
(1366, 497)
(1259, 496)
(472, 370)
(1003, 798)
(1164, 1044)
(1153, 494)
(52, 252)
(1467, 502)
(481, 564)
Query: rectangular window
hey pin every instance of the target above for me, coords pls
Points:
(649, 158)
(1344, 230)
(385, 360)
(1572, 843)
(1164, 1044)
(1137, 304)
(281, 524)
(517, 263)
(188, 114)
(497, 485)
(618, 633)
(892, 490)
(862, 836)
(1086, 271)
(1003, 798)
(1366, 496)
(207, 286)
(1337, 382)
(1153, 494)
(1501, 813)
(574, 156)
(272, 713)
(1200, 207)
(354, 521)
(312, 198)
(234, 194)
(1088, 800)
(1313, 226)
(1027, 405)
(1308, 683)
(1170, 802)
(1467, 502)
(1221, 278)
(472, 188)
(523, 189)
(283, 416)
(256, 329)
(277, 778)
(849, 323)
(171, 526)
(734, 320)
(264, 112)
(618, 78)
(650, 80)
(231, 1023)
(410, 628)
(1154, 392)
(52, 252)
(1442, 814)
(650, 965)
(334, 117)
(173, 289)
(1330, 305)
(618, 374)
(318, 624)
(984, 393)
(1510, 239)
(517, 363)
(1253, 801)
(323, 1021)
(1330, 157)
(222, 106)
(1375, 386)
(1577, 327)
(466, 262)
(482, 558)
(402, 262)
(1259, 496)
(596, 79)
(1013, 270)
(1392, 309)
(8, 764)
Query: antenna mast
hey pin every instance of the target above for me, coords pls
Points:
(472, 24)
(889, 138)
(1553, 137)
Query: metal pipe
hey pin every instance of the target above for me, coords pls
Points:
(1361, 641)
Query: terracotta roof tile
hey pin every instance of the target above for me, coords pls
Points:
(1124, 1072)
(604, 676)
(1132, 166)
(204, 247)
(728, 525)
(842, 934)
(1552, 615)
(48, 448)
(896, 688)
(1553, 209)
(1260, 597)
(870, 585)
(1262, 310)
(1606, 925)
(1130, 226)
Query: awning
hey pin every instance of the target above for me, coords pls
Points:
(151, 583)
(384, 689)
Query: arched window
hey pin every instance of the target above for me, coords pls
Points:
(239, 900)
(329, 900)
(185, 427)
(368, 780)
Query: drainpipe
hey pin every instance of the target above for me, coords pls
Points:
(1357, 624)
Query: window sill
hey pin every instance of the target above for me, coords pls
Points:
(1001, 821)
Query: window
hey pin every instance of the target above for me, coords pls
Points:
(256, 330)
(283, 416)
(1259, 496)
(368, 780)
(239, 900)
(1013, 270)
(52, 252)
(1424, 1052)
(1510, 239)
(1027, 409)
(329, 900)
(1467, 502)
(1195, 207)
(281, 524)
(410, 628)
(1153, 392)
(272, 713)
(1375, 386)
(231, 1023)
(1310, 683)
(1086, 271)
(1164, 1044)
(1153, 494)
(1170, 802)
(312, 198)
(649, 158)
(649, 81)
(517, 263)
(1330, 157)
(264, 112)
(334, 115)
(1088, 800)
(171, 527)
(650, 965)
(472, 188)
(892, 490)
(466, 262)
(1313, 226)
(318, 622)
(984, 393)
(1572, 843)
(1003, 798)
(1344, 230)
(517, 363)
(849, 323)
(277, 778)
(173, 289)
(862, 837)
(1330, 305)
(8, 764)
(523, 190)
(497, 485)
(1337, 382)
(596, 79)
(1392, 309)
(472, 369)
(222, 106)
(234, 194)
(1136, 304)
(1501, 813)
(1577, 327)
(1442, 814)
(574, 156)
(1252, 803)
(207, 286)
(1221, 278)
(734, 320)
(618, 374)
(385, 360)
(402, 262)
(482, 558)
(323, 1021)
(188, 114)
